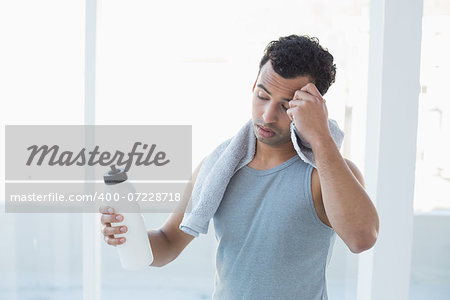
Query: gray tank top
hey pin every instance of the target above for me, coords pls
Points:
(271, 243)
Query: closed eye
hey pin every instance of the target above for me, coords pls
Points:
(265, 99)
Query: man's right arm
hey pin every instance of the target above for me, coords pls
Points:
(166, 242)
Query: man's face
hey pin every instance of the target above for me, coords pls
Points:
(271, 96)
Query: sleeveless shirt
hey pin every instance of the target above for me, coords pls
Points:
(271, 243)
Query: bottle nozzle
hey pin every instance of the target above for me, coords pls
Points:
(114, 170)
(115, 175)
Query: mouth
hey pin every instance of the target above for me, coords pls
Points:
(265, 132)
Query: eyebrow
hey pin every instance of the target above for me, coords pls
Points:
(267, 91)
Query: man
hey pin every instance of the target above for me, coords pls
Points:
(278, 218)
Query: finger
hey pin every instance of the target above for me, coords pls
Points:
(104, 209)
(303, 95)
(294, 103)
(110, 230)
(290, 113)
(113, 241)
(312, 89)
(105, 230)
(300, 102)
(111, 218)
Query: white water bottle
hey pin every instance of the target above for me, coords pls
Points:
(136, 252)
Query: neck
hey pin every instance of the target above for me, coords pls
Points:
(273, 154)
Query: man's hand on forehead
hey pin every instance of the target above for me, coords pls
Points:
(311, 89)
(308, 111)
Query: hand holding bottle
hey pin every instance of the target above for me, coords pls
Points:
(136, 253)
(109, 216)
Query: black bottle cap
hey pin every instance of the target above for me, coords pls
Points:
(115, 176)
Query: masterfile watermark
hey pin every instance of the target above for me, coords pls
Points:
(55, 152)
(45, 157)
(66, 158)
(87, 197)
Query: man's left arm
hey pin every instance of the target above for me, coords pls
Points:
(347, 205)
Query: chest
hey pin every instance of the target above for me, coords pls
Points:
(275, 203)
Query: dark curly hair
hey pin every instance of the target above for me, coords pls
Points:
(295, 55)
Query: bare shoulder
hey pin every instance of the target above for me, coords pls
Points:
(316, 190)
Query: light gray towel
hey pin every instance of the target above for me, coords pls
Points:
(219, 166)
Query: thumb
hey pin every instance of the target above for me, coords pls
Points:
(290, 114)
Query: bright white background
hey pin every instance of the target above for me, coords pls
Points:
(179, 62)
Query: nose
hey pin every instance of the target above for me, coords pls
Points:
(270, 112)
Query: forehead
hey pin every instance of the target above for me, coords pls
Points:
(279, 85)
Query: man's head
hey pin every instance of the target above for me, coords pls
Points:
(288, 64)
